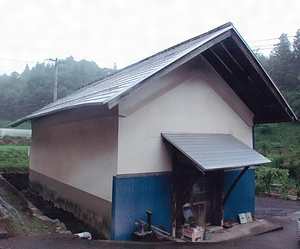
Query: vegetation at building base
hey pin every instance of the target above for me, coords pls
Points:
(281, 144)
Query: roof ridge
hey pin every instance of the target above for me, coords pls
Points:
(180, 44)
(226, 25)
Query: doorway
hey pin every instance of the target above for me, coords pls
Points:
(203, 191)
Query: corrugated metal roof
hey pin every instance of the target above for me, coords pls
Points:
(106, 90)
(215, 151)
(222, 48)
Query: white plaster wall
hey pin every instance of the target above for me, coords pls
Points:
(191, 106)
(81, 153)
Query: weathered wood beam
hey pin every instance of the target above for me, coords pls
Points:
(233, 185)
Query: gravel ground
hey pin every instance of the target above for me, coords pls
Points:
(268, 207)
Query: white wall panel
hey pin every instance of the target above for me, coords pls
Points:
(82, 153)
(191, 106)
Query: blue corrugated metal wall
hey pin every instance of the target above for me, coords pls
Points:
(242, 198)
(133, 196)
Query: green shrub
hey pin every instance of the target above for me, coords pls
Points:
(286, 188)
(264, 129)
(277, 162)
(276, 145)
(260, 189)
(265, 148)
(265, 176)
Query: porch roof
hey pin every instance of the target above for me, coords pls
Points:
(215, 151)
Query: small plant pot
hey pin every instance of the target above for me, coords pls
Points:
(292, 197)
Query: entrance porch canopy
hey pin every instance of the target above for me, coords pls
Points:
(215, 151)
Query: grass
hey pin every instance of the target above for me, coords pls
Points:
(13, 147)
(278, 136)
(6, 124)
(14, 158)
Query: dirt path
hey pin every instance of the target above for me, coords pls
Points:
(17, 218)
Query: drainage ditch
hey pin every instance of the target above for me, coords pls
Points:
(20, 181)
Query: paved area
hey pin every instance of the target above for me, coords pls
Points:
(70, 241)
(268, 207)
(274, 231)
(241, 230)
(286, 238)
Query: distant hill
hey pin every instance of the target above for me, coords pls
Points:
(22, 94)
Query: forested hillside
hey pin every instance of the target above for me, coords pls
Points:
(283, 65)
(281, 142)
(22, 94)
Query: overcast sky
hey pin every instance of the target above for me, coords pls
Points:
(126, 31)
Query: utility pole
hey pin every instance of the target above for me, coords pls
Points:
(55, 81)
(57, 62)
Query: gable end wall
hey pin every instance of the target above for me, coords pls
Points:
(191, 104)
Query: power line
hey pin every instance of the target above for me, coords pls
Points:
(265, 48)
(270, 39)
(6, 59)
(7, 71)
(268, 45)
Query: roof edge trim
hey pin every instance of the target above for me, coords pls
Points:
(32, 117)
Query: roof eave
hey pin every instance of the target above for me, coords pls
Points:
(264, 75)
(33, 116)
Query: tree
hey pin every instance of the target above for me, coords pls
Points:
(296, 52)
(264, 60)
(281, 64)
(22, 94)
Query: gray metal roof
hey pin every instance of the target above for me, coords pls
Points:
(105, 91)
(110, 90)
(215, 151)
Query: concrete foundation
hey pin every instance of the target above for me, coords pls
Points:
(86, 207)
